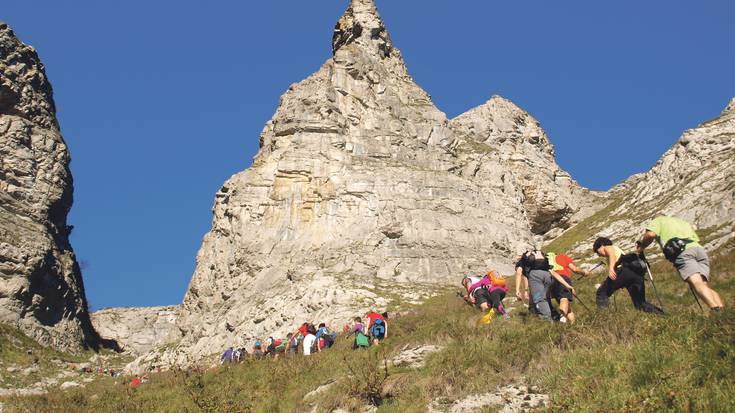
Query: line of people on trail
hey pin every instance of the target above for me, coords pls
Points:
(541, 277)
(308, 340)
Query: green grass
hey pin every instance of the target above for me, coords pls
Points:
(609, 361)
(18, 352)
(585, 229)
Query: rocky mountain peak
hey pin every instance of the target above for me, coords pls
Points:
(361, 186)
(41, 289)
(361, 25)
(500, 122)
(24, 89)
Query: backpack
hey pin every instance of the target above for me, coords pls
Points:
(633, 262)
(361, 340)
(329, 339)
(551, 257)
(378, 329)
(674, 247)
(496, 280)
(535, 260)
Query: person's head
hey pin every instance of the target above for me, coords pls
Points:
(385, 315)
(599, 243)
(322, 325)
(289, 335)
(258, 344)
(465, 281)
(358, 320)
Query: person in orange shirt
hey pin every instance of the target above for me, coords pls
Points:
(564, 266)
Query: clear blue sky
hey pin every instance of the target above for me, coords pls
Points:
(161, 101)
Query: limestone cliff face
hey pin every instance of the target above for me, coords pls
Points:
(41, 288)
(137, 330)
(550, 196)
(694, 180)
(363, 187)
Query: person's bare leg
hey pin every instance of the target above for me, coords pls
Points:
(702, 289)
(718, 299)
(564, 307)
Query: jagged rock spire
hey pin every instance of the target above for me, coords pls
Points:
(361, 24)
(41, 288)
(730, 109)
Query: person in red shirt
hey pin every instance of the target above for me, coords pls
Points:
(564, 266)
(382, 335)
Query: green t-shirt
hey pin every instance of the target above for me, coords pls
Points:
(672, 227)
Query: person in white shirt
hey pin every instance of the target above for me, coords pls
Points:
(309, 341)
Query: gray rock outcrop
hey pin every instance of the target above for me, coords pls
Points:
(362, 188)
(138, 329)
(41, 289)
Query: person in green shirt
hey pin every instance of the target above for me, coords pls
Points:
(680, 244)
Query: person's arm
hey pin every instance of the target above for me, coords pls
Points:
(467, 296)
(611, 261)
(386, 330)
(578, 270)
(519, 275)
(646, 240)
(562, 281)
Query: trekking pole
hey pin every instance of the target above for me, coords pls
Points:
(650, 276)
(695, 298)
(590, 271)
(580, 300)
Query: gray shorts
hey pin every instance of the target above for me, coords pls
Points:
(692, 261)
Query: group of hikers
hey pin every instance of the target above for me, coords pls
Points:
(308, 339)
(541, 277)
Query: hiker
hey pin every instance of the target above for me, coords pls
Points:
(273, 346)
(680, 244)
(324, 337)
(257, 351)
(135, 383)
(535, 267)
(361, 340)
(292, 343)
(564, 266)
(228, 356)
(377, 326)
(487, 294)
(309, 339)
(242, 354)
(623, 271)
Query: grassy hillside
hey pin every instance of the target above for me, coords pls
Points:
(616, 360)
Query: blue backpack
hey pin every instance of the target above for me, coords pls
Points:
(378, 329)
